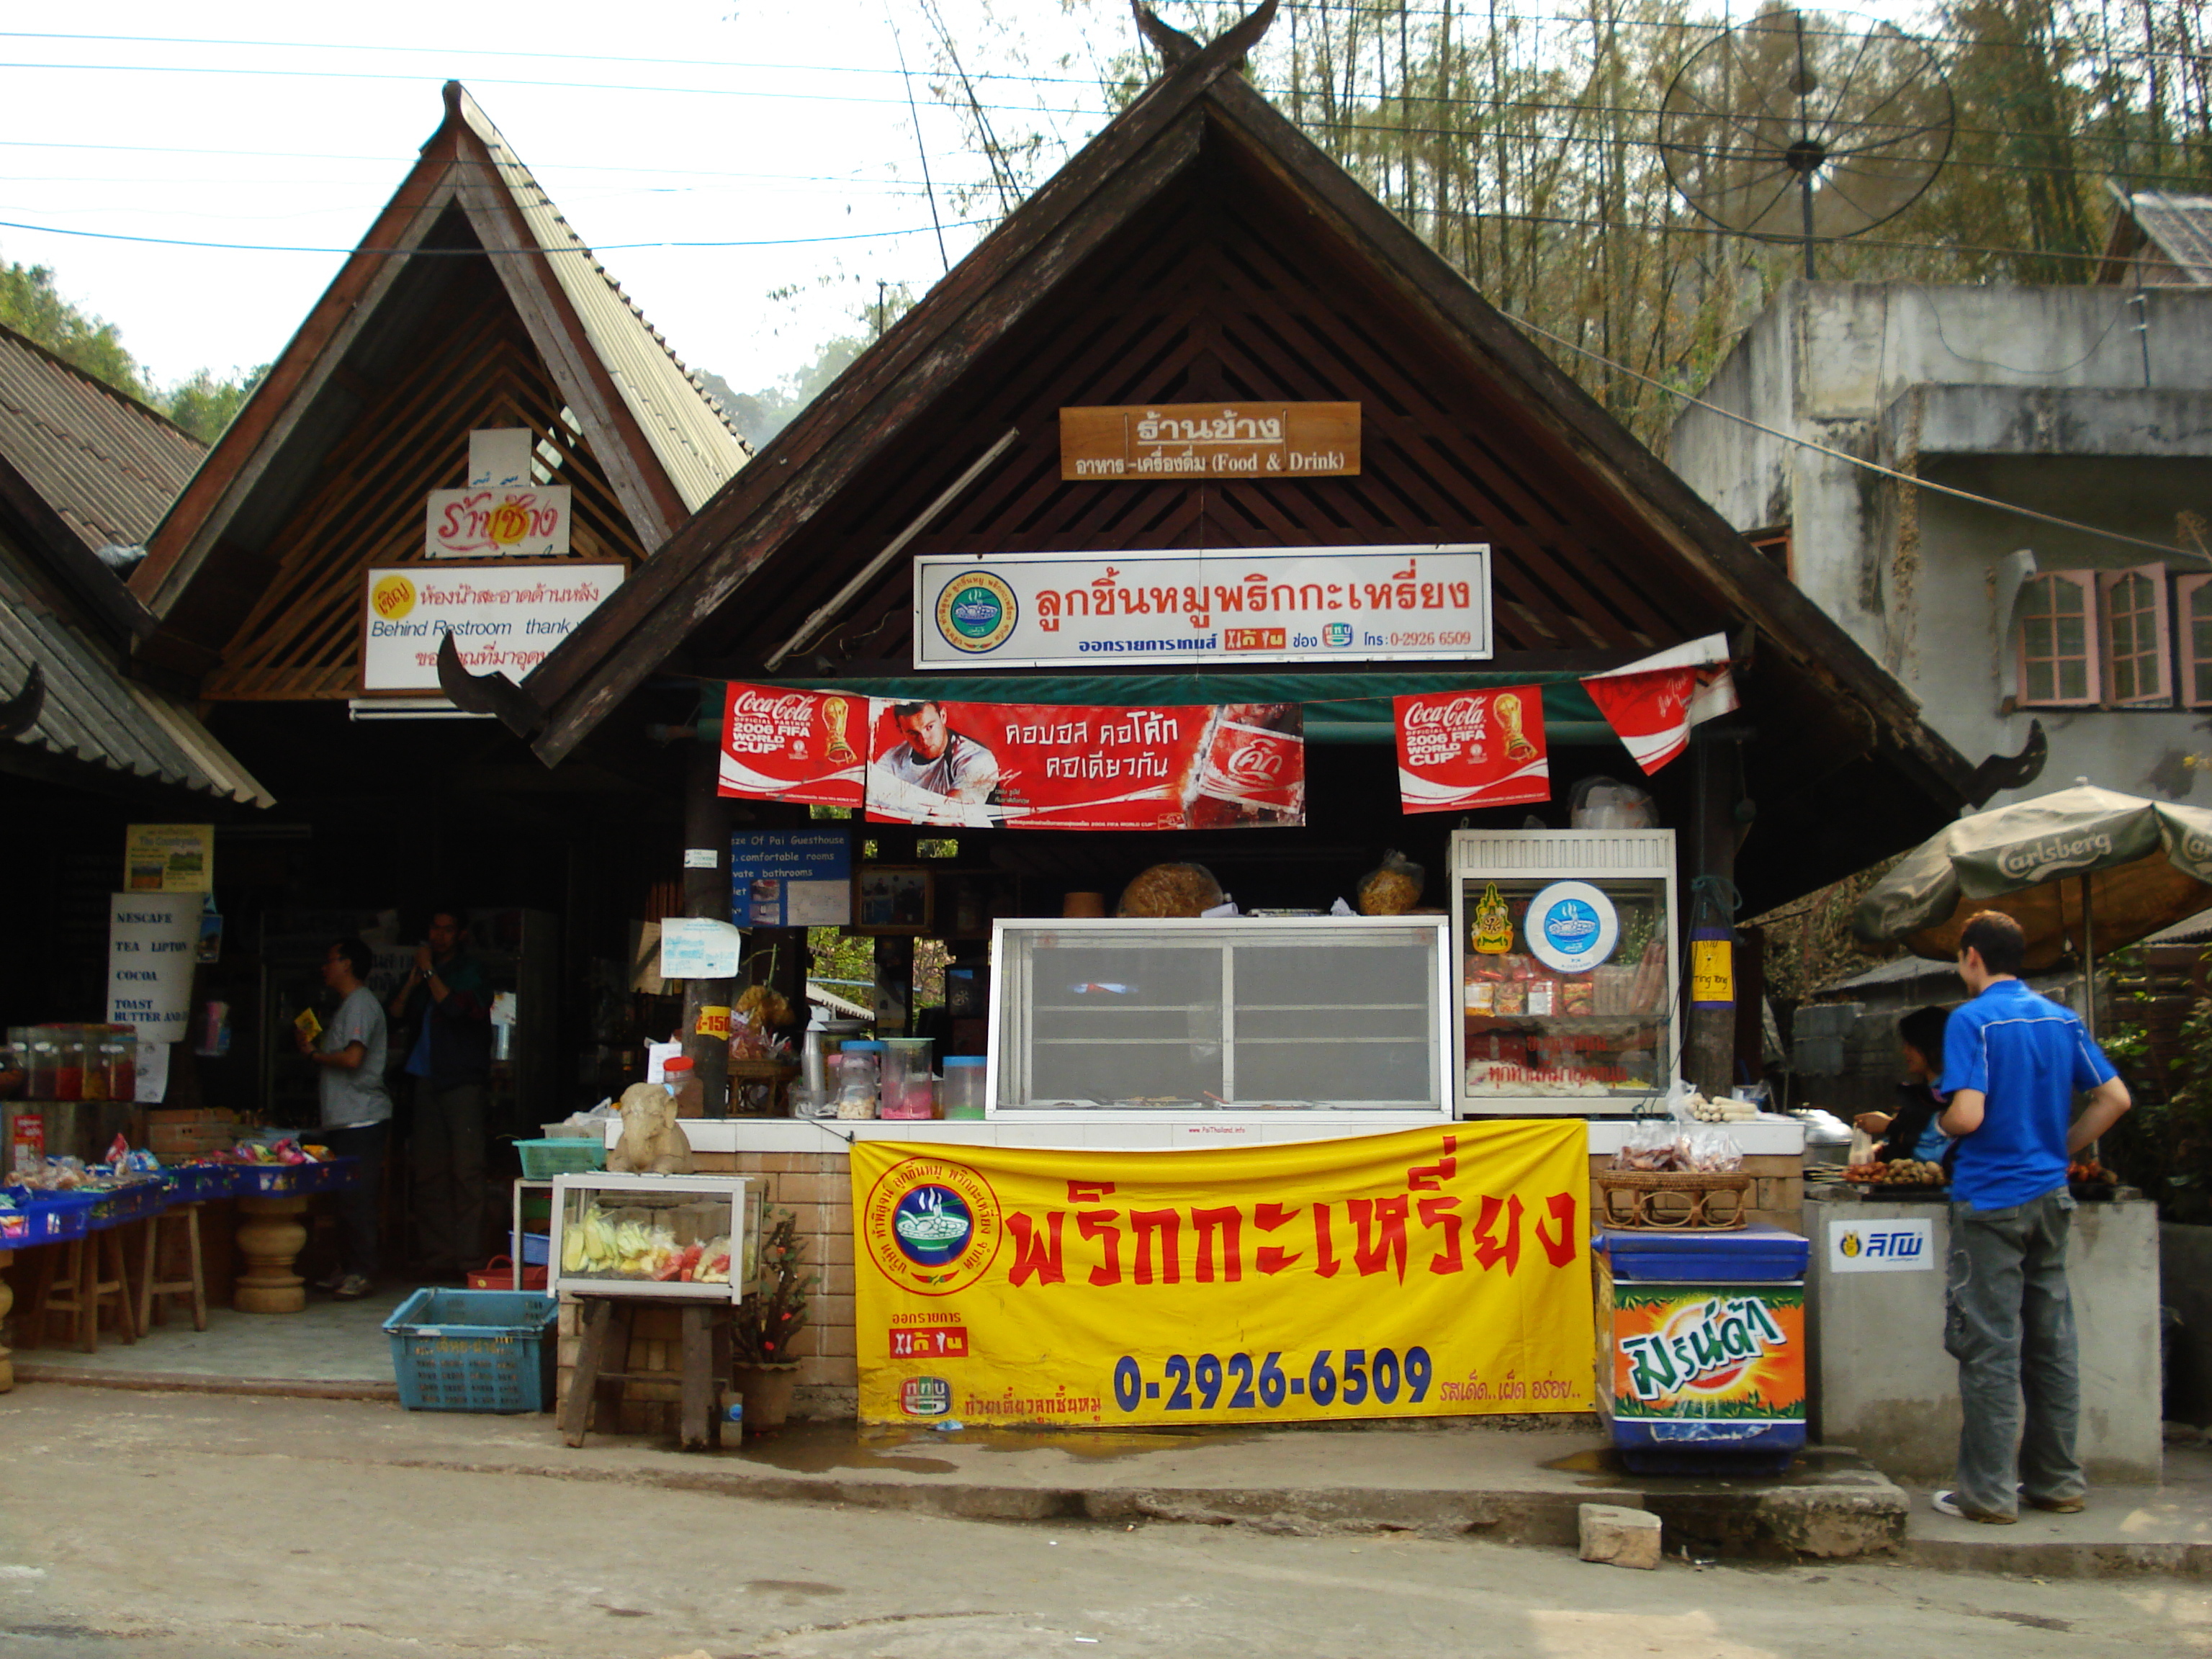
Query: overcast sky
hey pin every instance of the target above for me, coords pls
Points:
(272, 128)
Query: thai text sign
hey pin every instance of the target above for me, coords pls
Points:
(1271, 604)
(1210, 440)
(1461, 750)
(1726, 1354)
(1035, 766)
(529, 521)
(1881, 1247)
(506, 617)
(1433, 1272)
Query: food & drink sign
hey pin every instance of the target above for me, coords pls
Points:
(1439, 1272)
(1269, 441)
(1250, 607)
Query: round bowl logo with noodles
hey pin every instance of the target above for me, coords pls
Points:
(976, 612)
(931, 1226)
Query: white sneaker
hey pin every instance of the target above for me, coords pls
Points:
(351, 1288)
(1947, 1502)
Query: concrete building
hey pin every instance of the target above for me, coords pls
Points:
(2092, 404)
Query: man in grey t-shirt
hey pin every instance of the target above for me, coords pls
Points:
(356, 1110)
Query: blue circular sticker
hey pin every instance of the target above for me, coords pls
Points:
(1571, 927)
(976, 612)
(932, 1225)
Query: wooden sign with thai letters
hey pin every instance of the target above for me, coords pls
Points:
(1210, 440)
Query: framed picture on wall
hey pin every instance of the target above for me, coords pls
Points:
(891, 899)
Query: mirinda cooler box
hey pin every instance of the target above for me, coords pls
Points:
(1704, 1333)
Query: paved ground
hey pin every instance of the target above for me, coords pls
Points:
(193, 1526)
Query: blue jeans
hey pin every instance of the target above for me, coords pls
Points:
(2009, 1321)
(358, 1207)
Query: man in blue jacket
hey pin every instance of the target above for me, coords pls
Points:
(450, 1060)
(2012, 1062)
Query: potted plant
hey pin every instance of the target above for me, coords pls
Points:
(762, 1366)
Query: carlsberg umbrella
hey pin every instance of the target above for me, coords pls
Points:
(2081, 864)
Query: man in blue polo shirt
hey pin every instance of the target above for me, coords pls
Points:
(2012, 1062)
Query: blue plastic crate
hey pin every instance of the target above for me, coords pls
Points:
(273, 1180)
(1746, 1256)
(121, 1205)
(474, 1351)
(195, 1183)
(531, 1250)
(56, 1217)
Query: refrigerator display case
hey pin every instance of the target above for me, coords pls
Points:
(1566, 947)
(661, 1235)
(1129, 1017)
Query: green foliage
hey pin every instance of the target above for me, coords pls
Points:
(762, 1332)
(31, 304)
(2164, 1145)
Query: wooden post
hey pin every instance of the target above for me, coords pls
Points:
(1709, 1050)
(707, 893)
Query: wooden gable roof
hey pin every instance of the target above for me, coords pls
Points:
(469, 304)
(1201, 248)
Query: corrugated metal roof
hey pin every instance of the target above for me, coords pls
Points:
(2178, 227)
(93, 714)
(107, 466)
(690, 436)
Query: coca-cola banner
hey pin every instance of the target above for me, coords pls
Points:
(804, 746)
(1036, 766)
(1653, 702)
(1461, 750)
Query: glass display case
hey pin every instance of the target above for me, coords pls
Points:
(1567, 950)
(645, 1235)
(1132, 1017)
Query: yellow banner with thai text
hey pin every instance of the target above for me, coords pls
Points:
(1434, 1271)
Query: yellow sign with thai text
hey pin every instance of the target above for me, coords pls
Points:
(1434, 1272)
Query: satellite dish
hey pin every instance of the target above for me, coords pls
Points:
(1803, 126)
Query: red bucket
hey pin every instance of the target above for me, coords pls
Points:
(498, 1275)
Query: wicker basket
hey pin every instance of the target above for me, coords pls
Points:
(1673, 1202)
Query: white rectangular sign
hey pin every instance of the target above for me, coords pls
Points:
(501, 616)
(1881, 1247)
(1263, 605)
(150, 942)
(526, 521)
(699, 947)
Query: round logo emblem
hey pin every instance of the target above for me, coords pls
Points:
(392, 597)
(931, 1226)
(1850, 1245)
(1572, 926)
(976, 612)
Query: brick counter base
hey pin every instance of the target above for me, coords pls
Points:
(816, 1187)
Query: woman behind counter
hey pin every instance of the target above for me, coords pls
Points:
(1911, 1131)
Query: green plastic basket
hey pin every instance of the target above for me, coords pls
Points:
(543, 1159)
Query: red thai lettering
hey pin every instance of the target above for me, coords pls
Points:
(1381, 1225)
(1166, 1227)
(1443, 1213)
(1227, 1223)
(1325, 1262)
(1272, 1258)
(1033, 1259)
(1088, 1192)
(1559, 1251)
(1098, 1225)
(1431, 1177)
(1489, 1249)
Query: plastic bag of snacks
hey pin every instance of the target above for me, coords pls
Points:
(1649, 1148)
(1710, 1152)
(1392, 887)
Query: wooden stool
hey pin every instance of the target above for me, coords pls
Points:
(73, 1286)
(152, 1288)
(706, 1368)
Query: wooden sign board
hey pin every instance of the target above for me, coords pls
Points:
(508, 521)
(1209, 441)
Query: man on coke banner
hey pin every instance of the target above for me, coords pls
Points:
(936, 774)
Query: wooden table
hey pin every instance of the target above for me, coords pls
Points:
(606, 1321)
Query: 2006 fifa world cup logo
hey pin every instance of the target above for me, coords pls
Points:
(834, 713)
(1517, 746)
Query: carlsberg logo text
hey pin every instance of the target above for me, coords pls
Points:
(2054, 852)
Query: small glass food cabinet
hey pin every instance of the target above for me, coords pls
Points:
(648, 1235)
(1134, 1018)
(1566, 949)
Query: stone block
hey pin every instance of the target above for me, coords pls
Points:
(1618, 1537)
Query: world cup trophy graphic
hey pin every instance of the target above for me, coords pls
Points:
(1517, 746)
(834, 713)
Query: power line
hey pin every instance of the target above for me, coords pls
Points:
(483, 252)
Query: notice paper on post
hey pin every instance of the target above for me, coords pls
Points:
(699, 947)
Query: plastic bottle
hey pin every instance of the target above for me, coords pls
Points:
(859, 1072)
(680, 1078)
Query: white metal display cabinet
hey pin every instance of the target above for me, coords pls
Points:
(1567, 1005)
(1238, 1019)
(693, 1209)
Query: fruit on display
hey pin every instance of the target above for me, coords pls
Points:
(2089, 1172)
(1900, 1172)
(623, 1246)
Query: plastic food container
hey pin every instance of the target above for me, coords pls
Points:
(859, 1072)
(961, 1094)
(909, 1093)
(681, 1079)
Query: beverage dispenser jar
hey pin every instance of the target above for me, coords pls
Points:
(859, 1071)
(960, 1095)
(909, 1093)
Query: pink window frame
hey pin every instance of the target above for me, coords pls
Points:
(2185, 639)
(2161, 655)
(2082, 582)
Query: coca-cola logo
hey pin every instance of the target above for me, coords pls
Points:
(1468, 715)
(1254, 763)
(761, 705)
